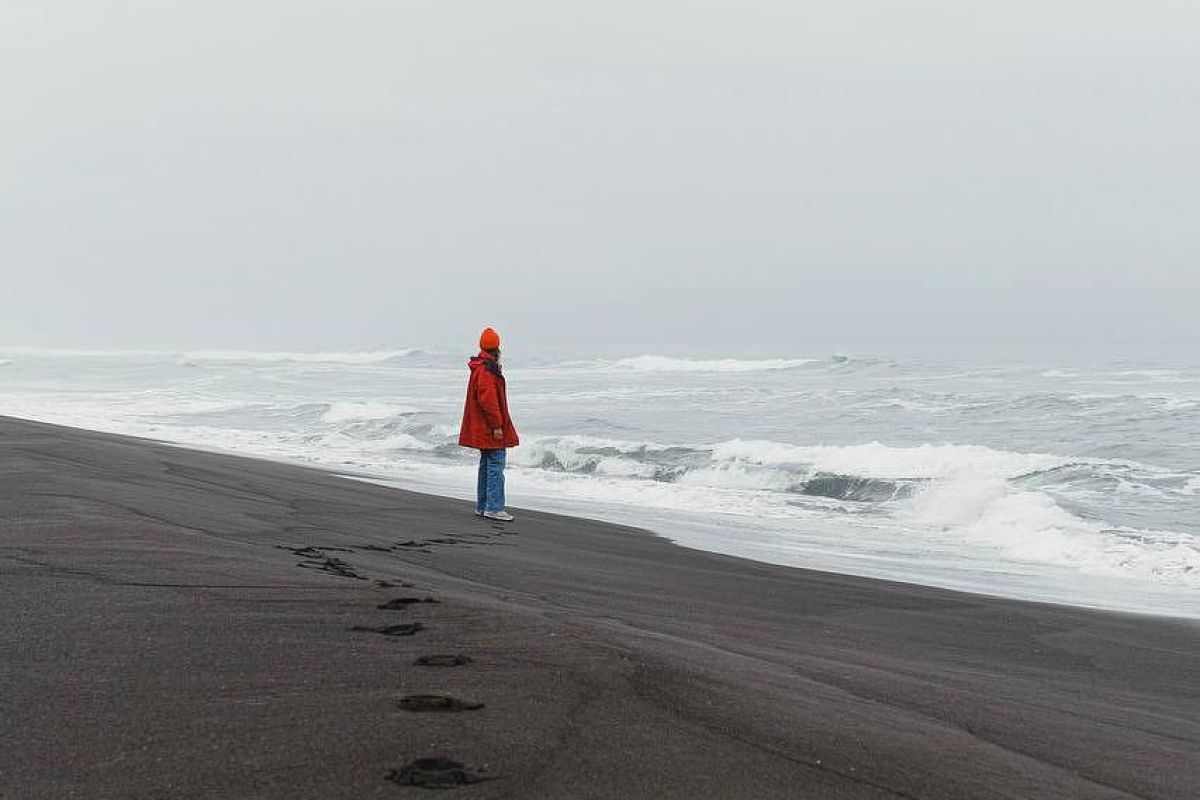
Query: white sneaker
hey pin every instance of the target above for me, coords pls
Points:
(478, 513)
(502, 516)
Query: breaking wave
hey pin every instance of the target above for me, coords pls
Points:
(953, 494)
(1028, 525)
(869, 472)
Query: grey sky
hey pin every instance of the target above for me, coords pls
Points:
(773, 175)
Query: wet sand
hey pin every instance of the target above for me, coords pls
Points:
(179, 624)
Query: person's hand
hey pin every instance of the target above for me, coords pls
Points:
(498, 433)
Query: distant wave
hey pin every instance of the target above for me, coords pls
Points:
(666, 364)
(1108, 376)
(271, 356)
(222, 356)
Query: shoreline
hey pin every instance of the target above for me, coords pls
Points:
(670, 531)
(674, 526)
(190, 624)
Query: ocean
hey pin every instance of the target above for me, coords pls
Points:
(1075, 482)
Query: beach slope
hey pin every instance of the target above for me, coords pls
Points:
(189, 625)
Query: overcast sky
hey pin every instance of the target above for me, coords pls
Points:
(771, 175)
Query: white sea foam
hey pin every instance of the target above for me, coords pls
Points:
(160, 406)
(396, 441)
(444, 431)
(576, 442)
(872, 472)
(775, 466)
(672, 466)
(1029, 526)
(364, 411)
(650, 363)
(586, 454)
(880, 461)
(732, 475)
(611, 489)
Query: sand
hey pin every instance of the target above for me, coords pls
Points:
(179, 624)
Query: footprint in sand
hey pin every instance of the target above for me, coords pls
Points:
(423, 703)
(393, 584)
(391, 630)
(316, 557)
(401, 603)
(435, 773)
(315, 550)
(441, 660)
(334, 566)
(423, 544)
(410, 543)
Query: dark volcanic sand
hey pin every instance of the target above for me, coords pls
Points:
(181, 625)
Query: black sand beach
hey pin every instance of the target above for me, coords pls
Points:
(179, 624)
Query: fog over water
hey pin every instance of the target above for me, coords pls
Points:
(751, 178)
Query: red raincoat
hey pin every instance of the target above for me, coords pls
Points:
(486, 408)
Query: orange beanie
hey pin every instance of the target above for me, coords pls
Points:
(489, 340)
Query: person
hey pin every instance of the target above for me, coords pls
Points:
(487, 427)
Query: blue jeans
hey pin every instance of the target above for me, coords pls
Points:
(490, 495)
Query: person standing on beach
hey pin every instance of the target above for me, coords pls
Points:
(487, 427)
